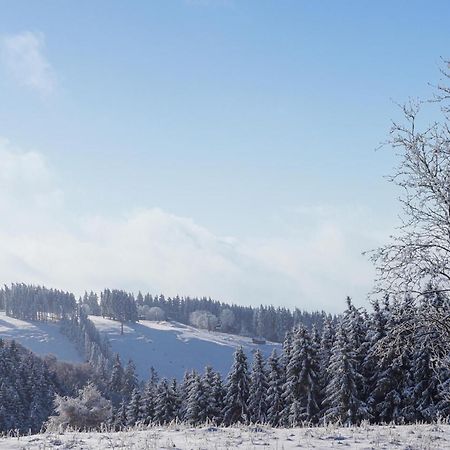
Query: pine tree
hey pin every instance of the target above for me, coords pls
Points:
(196, 402)
(165, 403)
(342, 402)
(119, 419)
(301, 390)
(219, 397)
(213, 404)
(391, 398)
(149, 397)
(257, 400)
(237, 390)
(116, 382)
(324, 353)
(184, 393)
(274, 390)
(134, 408)
(130, 380)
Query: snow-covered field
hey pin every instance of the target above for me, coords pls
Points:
(172, 348)
(42, 338)
(408, 437)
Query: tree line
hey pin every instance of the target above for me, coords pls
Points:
(29, 302)
(352, 371)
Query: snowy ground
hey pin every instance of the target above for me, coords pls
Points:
(172, 348)
(42, 338)
(408, 437)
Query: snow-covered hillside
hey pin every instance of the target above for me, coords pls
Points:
(411, 437)
(170, 347)
(42, 338)
(173, 348)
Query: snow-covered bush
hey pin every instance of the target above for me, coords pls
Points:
(227, 320)
(154, 313)
(203, 319)
(88, 411)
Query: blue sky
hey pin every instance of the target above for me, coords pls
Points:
(232, 137)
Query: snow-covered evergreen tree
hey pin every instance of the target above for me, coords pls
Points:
(117, 380)
(165, 403)
(275, 382)
(342, 402)
(214, 403)
(134, 408)
(196, 408)
(130, 380)
(237, 390)
(149, 397)
(301, 391)
(257, 400)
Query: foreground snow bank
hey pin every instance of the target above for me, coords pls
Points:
(177, 437)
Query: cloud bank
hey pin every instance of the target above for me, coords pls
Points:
(313, 263)
(23, 55)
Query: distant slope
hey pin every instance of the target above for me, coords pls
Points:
(172, 348)
(42, 338)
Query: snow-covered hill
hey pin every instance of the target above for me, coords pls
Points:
(172, 348)
(42, 338)
(411, 437)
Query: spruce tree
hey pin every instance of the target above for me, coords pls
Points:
(149, 397)
(134, 408)
(274, 389)
(165, 403)
(116, 382)
(237, 390)
(257, 400)
(196, 402)
(342, 402)
(213, 404)
(130, 380)
(301, 390)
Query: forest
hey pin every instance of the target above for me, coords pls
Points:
(348, 369)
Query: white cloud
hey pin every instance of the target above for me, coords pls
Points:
(27, 186)
(24, 58)
(314, 262)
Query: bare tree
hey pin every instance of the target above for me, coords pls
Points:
(420, 253)
(416, 261)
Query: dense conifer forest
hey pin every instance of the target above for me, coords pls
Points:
(348, 369)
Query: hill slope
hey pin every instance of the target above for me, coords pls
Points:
(42, 338)
(172, 348)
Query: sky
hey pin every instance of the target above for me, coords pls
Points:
(216, 148)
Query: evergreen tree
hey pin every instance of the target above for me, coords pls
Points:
(149, 397)
(342, 402)
(214, 405)
(301, 390)
(257, 400)
(117, 380)
(165, 403)
(274, 390)
(219, 397)
(119, 419)
(196, 409)
(237, 390)
(134, 408)
(130, 380)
